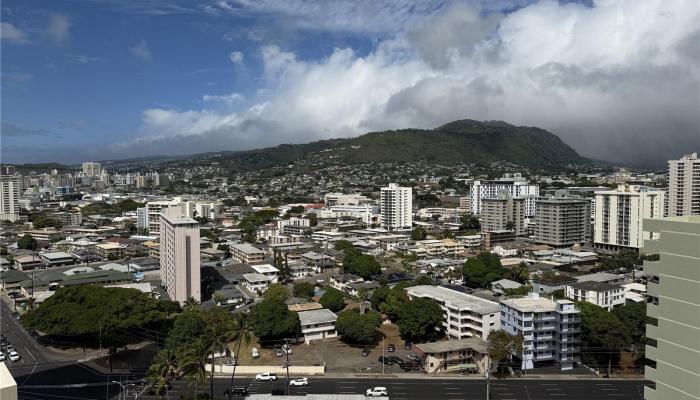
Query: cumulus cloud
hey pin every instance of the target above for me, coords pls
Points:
(141, 51)
(618, 80)
(9, 33)
(226, 98)
(58, 28)
(236, 57)
(84, 58)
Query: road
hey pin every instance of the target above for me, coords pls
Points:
(26, 346)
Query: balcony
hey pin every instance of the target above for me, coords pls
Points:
(650, 352)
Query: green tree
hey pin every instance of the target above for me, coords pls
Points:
(420, 320)
(276, 292)
(633, 318)
(358, 328)
(333, 300)
(510, 226)
(187, 327)
(313, 219)
(423, 280)
(240, 333)
(192, 361)
(226, 249)
(303, 290)
(379, 296)
(502, 346)
(272, 319)
(602, 336)
(418, 233)
(490, 260)
(26, 242)
(363, 265)
(470, 223)
(345, 246)
(395, 299)
(477, 274)
(520, 273)
(163, 364)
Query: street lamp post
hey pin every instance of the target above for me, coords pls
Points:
(123, 389)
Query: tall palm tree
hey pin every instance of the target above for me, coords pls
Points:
(193, 362)
(190, 303)
(163, 364)
(217, 335)
(240, 332)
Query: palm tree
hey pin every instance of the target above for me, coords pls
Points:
(163, 364)
(240, 332)
(190, 303)
(217, 336)
(521, 273)
(193, 362)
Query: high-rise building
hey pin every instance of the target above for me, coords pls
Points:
(179, 255)
(503, 213)
(7, 170)
(92, 169)
(515, 185)
(673, 307)
(619, 215)
(396, 207)
(551, 329)
(142, 218)
(684, 186)
(562, 220)
(9, 198)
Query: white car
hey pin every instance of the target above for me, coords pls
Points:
(14, 356)
(2, 356)
(299, 382)
(287, 348)
(254, 352)
(266, 376)
(377, 392)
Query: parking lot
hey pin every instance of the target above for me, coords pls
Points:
(336, 355)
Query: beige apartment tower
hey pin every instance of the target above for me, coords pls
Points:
(179, 255)
(674, 306)
(562, 220)
(499, 212)
(684, 186)
(9, 198)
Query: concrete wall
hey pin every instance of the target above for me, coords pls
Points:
(8, 386)
(259, 369)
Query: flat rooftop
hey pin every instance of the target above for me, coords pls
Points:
(445, 346)
(533, 304)
(264, 269)
(319, 316)
(247, 248)
(455, 299)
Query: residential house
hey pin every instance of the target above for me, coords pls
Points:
(317, 324)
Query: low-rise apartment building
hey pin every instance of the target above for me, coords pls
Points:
(247, 253)
(464, 315)
(602, 294)
(551, 329)
(317, 324)
(440, 248)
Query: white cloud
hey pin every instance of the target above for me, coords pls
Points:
(618, 81)
(10, 33)
(227, 98)
(141, 51)
(236, 57)
(58, 28)
(84, 59)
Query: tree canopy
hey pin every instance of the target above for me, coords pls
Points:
(602, 335)
(276, 292)
(418, 233)
(363, 265)
(26, 242)
(420, 320)
(303, 289)
(333, 300)
(504, 346)
(272, 319)
(358, 328)
(482, 270)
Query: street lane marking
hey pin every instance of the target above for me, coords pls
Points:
(30, 353)
(611, 389)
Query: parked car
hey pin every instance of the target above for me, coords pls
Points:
(391, 348)
(230, 363)
(395, 360)
(278, 351)
(265, 376)
(377, 392)
(407, 345)
(384, 360)
(287, 348)
(412, 357)
(299, 382)
(14, 356)
(236, 391)
(366, 351)
(10, 348)
(254, 352)
(410, 366)
(2, 356)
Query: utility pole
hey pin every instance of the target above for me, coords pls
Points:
(383, 359)
(488, 368)
(286, 352)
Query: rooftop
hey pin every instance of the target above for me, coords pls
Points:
(265, 269)
(533, 303)
(454, 298)
(445, 346)
(319, 316)
(595, 286)
(247, 248)
(255, 277)
(56, 255)
(598, 277)
(554, 279)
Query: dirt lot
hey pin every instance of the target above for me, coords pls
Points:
(337, 356)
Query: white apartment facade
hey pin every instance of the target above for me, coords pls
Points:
(92, 169)
(317, 324)
(247, 253)
(396, 207)
(9, 198)
(550, 329)
(562, 221)
(154, 210)
(684, 186)
(464, 315)
(179, 256)
(619, 214)
(602, 294)
(515, 186)
(498, 212)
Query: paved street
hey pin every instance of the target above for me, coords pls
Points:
(27, 347)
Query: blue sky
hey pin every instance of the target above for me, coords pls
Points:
(116, 79)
